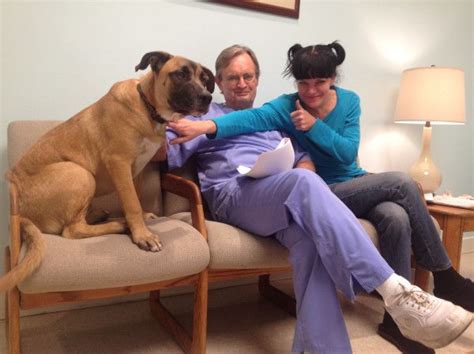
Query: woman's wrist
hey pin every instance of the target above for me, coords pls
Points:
(210, 127)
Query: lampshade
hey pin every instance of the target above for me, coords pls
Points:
(432, 94)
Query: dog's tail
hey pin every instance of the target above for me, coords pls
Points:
(34, 254)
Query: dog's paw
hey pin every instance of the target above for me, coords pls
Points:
(149, 216)
(150, 242)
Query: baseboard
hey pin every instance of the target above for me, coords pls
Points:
(468, 244)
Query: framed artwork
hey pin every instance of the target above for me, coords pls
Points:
(289, 8)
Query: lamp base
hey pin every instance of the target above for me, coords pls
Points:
(427, 175)
(424, 171)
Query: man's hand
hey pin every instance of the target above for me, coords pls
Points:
(307, 164)
(188, 129)
(301, 118)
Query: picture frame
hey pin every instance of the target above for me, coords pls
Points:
(288, 8)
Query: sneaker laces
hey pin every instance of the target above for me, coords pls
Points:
(415, 297)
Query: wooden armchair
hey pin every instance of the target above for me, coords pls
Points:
(74, 271)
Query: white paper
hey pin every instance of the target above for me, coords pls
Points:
(271, 162)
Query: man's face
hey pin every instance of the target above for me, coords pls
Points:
(238, 82)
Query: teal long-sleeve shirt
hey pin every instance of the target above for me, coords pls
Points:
(332, 142)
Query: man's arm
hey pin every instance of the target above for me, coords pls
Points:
(303, 159)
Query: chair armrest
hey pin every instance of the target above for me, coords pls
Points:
(189, 190)
(15, 233)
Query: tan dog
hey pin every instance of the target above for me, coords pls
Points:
(99, 150)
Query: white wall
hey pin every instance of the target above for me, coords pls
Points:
(59, 56)
(472, 87)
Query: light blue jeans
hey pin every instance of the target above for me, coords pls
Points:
(392, 202)
(328, 248)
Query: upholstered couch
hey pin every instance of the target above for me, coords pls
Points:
(196, 251)
(235, 253)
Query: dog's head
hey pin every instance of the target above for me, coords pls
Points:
(180, 85)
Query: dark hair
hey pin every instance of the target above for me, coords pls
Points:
(315, 61)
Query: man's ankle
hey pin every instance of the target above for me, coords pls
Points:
(459, 291)
(405, 345)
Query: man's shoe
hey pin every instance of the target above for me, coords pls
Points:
(462, 294)
(405, 345)
(425, 318)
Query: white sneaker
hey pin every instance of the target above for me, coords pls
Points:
(425, 318)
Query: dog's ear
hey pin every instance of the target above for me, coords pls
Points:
(156, 60)
(210, 82)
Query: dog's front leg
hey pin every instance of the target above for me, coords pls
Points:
(121, 174)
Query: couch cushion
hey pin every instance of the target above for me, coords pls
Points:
(173, 203)
(233, 248)
(371, 232)
(114, 261)
(23, 134)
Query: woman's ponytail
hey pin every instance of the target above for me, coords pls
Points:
(295, 48)
(339, 52)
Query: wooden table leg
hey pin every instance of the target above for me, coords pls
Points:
(452, 239)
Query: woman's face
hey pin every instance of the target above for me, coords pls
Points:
(314, 92)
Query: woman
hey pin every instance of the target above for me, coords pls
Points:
(324, 119)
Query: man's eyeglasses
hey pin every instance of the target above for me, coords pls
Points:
(235, 79)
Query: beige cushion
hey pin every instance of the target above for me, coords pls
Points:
(173, 203)
(22, 134)
(371, 232)
(114, 261)
(233, 248)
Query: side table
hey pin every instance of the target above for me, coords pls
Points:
(454, 222)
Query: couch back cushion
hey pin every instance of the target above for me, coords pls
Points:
(172, 203)
(23, 134)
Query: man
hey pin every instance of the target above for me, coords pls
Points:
(328, 248)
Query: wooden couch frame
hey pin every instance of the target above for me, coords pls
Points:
(15, 300)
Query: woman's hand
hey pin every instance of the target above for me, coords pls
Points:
(301, 118)
(189, 129)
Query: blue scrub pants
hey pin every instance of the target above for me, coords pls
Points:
(328, 248)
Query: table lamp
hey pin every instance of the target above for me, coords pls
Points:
(430, 95)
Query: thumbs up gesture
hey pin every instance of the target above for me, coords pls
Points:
(301, 118)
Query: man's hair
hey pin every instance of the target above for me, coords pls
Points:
(226, 56)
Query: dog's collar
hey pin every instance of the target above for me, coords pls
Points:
(151, 109)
